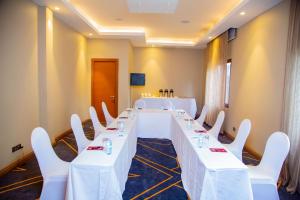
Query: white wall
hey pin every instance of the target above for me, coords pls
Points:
(166, 68)
(18, 77)
(44, 76)
(257, 79)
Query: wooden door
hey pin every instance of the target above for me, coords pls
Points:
(105, 86)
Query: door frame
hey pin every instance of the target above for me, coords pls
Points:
(93, 60)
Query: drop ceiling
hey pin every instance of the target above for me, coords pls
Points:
(180, 23)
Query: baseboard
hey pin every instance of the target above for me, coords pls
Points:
(29, 155)
(247, 148)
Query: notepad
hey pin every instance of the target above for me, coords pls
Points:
(99, 148)
(222, 150)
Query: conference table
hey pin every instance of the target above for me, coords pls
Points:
(188, 103)
(206, 174)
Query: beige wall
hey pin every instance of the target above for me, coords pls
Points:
(258, 64)
(121, 50)
(44, 76)
(18, 76)
(179, 69)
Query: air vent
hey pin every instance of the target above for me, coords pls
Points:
(152, 6)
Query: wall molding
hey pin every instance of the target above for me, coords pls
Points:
(29, 155)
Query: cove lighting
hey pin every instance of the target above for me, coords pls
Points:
(170, 42)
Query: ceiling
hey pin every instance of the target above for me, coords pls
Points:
(180, 23)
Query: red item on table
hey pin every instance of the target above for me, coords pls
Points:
(111, 129)
(222, 150)
(95, 148)
(200, 131)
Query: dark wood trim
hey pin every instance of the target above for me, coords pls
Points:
(117, 78)
(249, 149)
(29, 155)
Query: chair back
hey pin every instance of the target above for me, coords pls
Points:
(98, 128)
(215, 130)
(203, 114)
(81, 140)
(108, 118)
(139, 104)
(241, 137)
(276, 150)
(43, 150)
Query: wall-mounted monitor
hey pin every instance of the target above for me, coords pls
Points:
(137, 79)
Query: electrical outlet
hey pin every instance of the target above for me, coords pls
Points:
(234, 129)
(17, 147)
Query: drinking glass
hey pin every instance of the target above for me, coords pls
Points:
(121, 127)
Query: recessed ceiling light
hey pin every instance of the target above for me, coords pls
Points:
(119, 19)
(242, 13)
(209, 37)
(56, 8)
(185, 21)
(90, 34)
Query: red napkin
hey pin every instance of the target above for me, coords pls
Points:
(123, 117)
(217, 150)
(200, 131)
(111, 129)
(100, 148)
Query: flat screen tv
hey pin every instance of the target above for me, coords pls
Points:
(137, 79)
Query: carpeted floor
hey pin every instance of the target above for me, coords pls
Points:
(154, 173)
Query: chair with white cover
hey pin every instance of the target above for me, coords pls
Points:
(81, 140)
(236, 147)
(264, 176)
(215, 130)
(203, 114)
(98, 128)
(139, 104)
(108, 118)
(168, 105)
(54, 170)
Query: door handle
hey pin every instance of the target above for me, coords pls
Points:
(112, 98)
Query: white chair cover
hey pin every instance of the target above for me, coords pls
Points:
(139, 104)
(54, 170)
(236, 147)
(202, 116)
(108, 118)
(81, 140)
(98, 128)
(264, 176)
(215, 130)
(168, 105)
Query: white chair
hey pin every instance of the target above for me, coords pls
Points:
(168, 105)
(264, 176)
(203, 114)
(98, 128)
(54, 170)
(236, 147)
(139, 104)
(215, 130)
(108, 118)
(81, 140)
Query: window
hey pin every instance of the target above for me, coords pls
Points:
(227, 83)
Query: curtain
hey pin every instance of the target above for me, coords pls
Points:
(291, 117)
(215, 77)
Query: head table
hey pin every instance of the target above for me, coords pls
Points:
(205, 174)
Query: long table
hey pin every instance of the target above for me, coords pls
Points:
(205, 174)
(187, 104)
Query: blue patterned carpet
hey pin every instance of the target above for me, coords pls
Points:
(154, 173)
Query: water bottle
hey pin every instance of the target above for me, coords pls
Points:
(108, 147)
(200, 141)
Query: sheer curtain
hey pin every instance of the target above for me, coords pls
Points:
(291, 119)
(215, 77)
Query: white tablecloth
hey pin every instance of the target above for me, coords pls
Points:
(206, 174)
(96, 175)
(187, 104)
